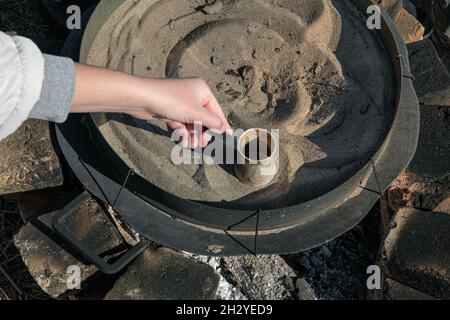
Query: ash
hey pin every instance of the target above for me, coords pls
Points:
(336, 270)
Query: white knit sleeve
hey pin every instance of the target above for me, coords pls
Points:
(21, 78)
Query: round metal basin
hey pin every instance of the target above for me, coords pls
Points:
(294, 223)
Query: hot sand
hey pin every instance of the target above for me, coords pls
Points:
(309, 68)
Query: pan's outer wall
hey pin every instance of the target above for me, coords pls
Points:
(334, 214)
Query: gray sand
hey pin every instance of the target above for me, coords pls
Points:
(313, 70)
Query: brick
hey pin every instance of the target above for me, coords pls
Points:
(444, 206)
(28, 160)
(35, 203)
(387, 209)
(392, 7)
(305, 290)
(444, 54)
(446, 59)
(164, 274)
(47, 261)
(426, 182)
(416, 251)
(432, 158)
(432, 80)
(394, 290)
(410, 28)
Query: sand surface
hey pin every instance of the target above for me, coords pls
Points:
(309, 68)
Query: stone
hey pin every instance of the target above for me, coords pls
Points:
(223, 86)
(262, 278)
(386, 211)
(444, 54)
(343, 274)
(433, 151)
(226, 291)
(46, 259)
(28, 160)
(394, 290)
(444, 206)
(441, 21)
(392, 7)
(410, 28)
(164, 274)
(213, 8)
(412, 191)
(416, 251)
(305, 291)
(426, 182)
(33, 204)
(215, 60)
(432, 80)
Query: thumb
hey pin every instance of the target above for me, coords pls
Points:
(210, 120)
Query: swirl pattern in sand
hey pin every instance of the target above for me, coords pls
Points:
(309, 68)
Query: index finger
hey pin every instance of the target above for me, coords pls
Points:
(213, 106)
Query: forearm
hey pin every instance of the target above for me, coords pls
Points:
(79, 88)
(49, 88)
(103, 90)
(184, 101)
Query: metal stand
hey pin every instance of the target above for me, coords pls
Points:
(84, 250)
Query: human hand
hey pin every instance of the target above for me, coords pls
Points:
(183, 104)
(180, 103)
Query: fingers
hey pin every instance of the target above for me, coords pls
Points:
(211, 104)
(181, 131)
(209, 119)
(206, 139)
(208, 113)
(190, 136)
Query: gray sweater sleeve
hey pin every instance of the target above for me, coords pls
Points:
(57, 91)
